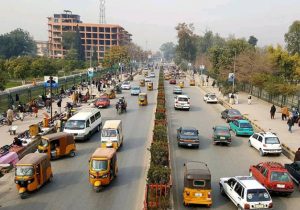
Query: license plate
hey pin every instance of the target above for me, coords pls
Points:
(222, 138)
(280, 185)
(259, 206)
(198, 194)
(189, 145)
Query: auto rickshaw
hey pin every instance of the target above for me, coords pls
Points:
(56, 145)
(181, 84)
(103, 167)
(167, 76)
(142, 83)
(111, 93)
(192, 82)
(150, 86)
(32, 172)
(143, 101)
(197, 184)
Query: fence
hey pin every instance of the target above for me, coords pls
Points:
(279, 100)
(27, 93)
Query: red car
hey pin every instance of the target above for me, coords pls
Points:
(172, 81)
(102, 102)
(273, 176)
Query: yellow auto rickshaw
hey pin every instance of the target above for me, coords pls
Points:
(143, 101)
(181, 84)
(103, 167)
(197, 184)
(167, 76)
(111, 93)
(150, 86)
(142, 82)
(192, 82)
(56, 145)
(32, 172)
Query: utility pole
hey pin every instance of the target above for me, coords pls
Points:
(233, 82)
(51, 80)
(102, 19)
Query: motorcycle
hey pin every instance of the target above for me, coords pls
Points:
(120, 108)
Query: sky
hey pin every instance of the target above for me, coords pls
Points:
(152, 22)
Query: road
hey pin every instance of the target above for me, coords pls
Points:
(70, 188)
(223, 161)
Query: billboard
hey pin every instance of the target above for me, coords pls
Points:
(47, 81)
(231, 77)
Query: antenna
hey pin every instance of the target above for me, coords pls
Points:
(102, 19)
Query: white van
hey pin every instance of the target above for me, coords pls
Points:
(112, 134)
(83, 124)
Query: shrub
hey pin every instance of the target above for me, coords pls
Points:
(160, 115)
(159, 153)
(158, 174)
(160, 133)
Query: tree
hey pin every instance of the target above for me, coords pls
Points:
(17, 43)
(186, 48)
(3, 75)
(252, 41)
(168, 50)
(292, 38)
(71, 41)
(116, 55)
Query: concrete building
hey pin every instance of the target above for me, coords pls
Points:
(41, 48)
(99, 37)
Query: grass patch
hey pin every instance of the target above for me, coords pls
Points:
(11, 84)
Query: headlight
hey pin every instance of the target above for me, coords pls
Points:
(92, 176)
(16, 181)
(29, 181)
(104, 176)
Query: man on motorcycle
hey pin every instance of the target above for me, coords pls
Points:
(122, 103)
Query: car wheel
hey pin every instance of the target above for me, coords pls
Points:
(261, 153)
(240, 208)
(249, 143)
(99, 128)
(222, 190)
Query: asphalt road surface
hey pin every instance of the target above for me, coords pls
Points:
(223, 161)
(70, 188)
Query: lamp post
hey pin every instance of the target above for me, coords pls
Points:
(51, 81)
(233, 81)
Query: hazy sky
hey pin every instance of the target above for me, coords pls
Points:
(152, 22)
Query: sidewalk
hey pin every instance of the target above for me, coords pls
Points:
(259, 114)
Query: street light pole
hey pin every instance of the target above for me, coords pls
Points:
(233, 82)
(51, 79)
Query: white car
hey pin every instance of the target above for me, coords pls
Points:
(265, 143)
(210, 98)
(152, 75)
(245, 192)
(182, 102)
(147, 79)
(126, 85)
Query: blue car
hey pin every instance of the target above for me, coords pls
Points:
(241, 127)
(135, 91)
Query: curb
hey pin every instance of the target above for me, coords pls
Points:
(286, 151)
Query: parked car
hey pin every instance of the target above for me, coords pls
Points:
(152, 75)
(102, 102)
(172, 81)
(188, 136)
(265, 143)
(177, 90)
(273, 176)
(246, 192)
(147, 79)
(221, 134)
(135, 91)
(231, 114)
(182, 102)
(210, 98)
(294, 171)
(241, 127)
(126, 85)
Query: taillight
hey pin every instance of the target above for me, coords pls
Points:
(246, 206)
(187, 193)
(270, 205)
(208, 195)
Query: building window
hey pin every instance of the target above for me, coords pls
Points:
(88, 47)
(107, 30)
(101, 48)
(101, 36)
(95, 29)
(114, 42)
(114, 30)
(66, 28)
(82, 35)
(88, 35)
(88, 41)
(81, 28)
(107, 42)
(88, 29)
(83, 41)
(101, 54)
(95, 42)
(114, 36)
(95, 36)
(101, 42)
(107, 36)
(101, 29)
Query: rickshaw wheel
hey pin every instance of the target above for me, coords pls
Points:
(24, 195)
(208, 205)
(72, 153)
(50, 178)
(97, 189)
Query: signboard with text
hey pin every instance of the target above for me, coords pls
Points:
(48, 81)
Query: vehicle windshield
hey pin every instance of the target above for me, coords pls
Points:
(189, 132)
(234, 112)
(220, 130)
(183, 99)
(212, 97)
(109, 133)
(135, 88)
(280, 176)
(126, 83)
(245, 125)
(257, 195)
(24, 171)
(75, 124)
(272, 140)
(99, 165)
(44, 143)
(142, 97)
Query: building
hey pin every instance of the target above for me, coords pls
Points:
(41, 48)
(99, 37)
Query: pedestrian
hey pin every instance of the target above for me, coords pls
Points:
(272, 111)
(249, 99)
(295, 114)
(17, 98)
(213, 84)
(207, 80)
(231, 98)
(35, 110)
(10, 116)
(284, 113)
(297, 155)
(73, 98)
(48, 104)
(59, 105)
(290, 123)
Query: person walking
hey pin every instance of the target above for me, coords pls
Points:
(249, 99)
(48, 105)
(272, 111)
(59, 105)
(284, 113)
(10, 116)
(290, 123)
(297, 155)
